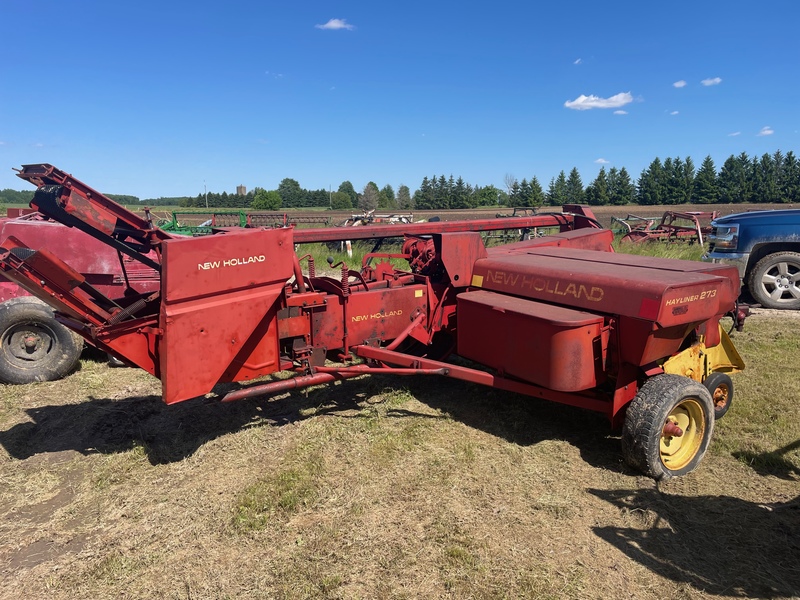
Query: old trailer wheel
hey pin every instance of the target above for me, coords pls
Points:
(33, 345)
(720, 387)
(668, 426)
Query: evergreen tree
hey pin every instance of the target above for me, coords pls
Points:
(574, 187)
(687, 175)
(441, 194)
(557, 191)
(621, 189)
(597, 191)
(624, 190)
(735, 180)
(705, 189)
(766, 184)
(650, 190)
(368, 200)
(778, 161)
(790, 179)
(671, 182)
(515, 193)
(747, 177)
(487, 196)
(292, 195)
(404, 200)
(317, 198)
(386, 197)
(524, 198)
(461, 196)
(423, 197)
(727, 181)
(537, 193)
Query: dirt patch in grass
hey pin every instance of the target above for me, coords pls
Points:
(390, 488)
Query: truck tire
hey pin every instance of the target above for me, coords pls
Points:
(667, 402)
(775, 281)
(720, 386)
(33, 345)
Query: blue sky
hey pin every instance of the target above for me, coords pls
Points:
(156, 98)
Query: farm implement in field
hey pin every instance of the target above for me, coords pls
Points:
(559, 317)
(204, 223)
(692, 227)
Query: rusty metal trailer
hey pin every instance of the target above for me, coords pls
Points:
(561, 317)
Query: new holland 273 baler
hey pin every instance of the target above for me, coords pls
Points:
(560, 317)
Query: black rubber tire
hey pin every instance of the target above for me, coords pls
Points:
(720, 386)
(661, 397)
(775, 281)
(33, 345)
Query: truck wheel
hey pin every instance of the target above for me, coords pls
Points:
(775, 281)
(668, 426)
(720, 387)
(33, 345)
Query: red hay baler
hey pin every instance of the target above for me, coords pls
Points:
(560, 317)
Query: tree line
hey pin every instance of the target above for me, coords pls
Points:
(771, 178)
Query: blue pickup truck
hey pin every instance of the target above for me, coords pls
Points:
(765, 246)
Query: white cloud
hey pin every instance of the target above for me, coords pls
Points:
(578, 61)
(674, 112)
(589, 102)
(712, 81)
(601, 161)
(336, 24)
(679, 84)
(734, 134)
(620, 112)
(766, 131)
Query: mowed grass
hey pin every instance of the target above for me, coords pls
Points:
(387, 487)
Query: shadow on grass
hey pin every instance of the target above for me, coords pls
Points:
(167, 433)
(171, 433)
(519, 419)
(772, 463)
(720, 545)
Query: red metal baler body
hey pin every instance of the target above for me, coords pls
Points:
(560, 317)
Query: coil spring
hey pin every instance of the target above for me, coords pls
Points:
(126, 312)
(345, 280)
(312, 269)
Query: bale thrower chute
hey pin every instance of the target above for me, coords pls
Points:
(560, 317)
